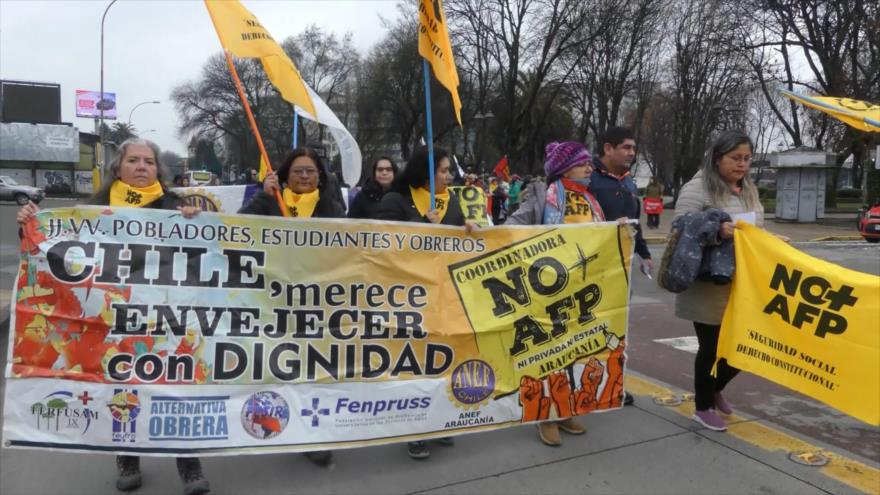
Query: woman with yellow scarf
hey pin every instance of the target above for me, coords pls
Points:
(306, 191)
(136, 179)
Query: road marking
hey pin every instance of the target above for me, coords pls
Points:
(686, 344)
(843, 469)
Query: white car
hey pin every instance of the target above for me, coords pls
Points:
(21, 194)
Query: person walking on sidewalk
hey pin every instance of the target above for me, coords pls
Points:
(654, 202)
(723, 182)
(565, 198)
(616, 192)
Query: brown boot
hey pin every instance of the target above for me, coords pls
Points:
(548, 432)
(572, 427)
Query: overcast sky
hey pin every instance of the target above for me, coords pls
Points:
(150, 46)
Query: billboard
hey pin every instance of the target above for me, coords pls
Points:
(89, 103)
(39, 143)
(30, 102)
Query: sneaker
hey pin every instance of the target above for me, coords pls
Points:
(710, 420)
(628, 399)
(190, 471)
(418, 450)
(571, 427)
(321, 458)
(129, 469)
(548, 432)
(722, 405)
(445, 441)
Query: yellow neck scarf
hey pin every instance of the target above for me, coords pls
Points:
(422, 199)
(301, 205)
(122, 194)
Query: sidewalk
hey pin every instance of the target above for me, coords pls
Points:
(837, 226)
(644, 449)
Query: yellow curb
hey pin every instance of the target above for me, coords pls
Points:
(655, 240)
(837, 238)
(843, 469)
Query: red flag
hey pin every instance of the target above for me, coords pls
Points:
(502, 170)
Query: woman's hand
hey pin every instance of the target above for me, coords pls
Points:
(726, 231)
(622, 220)
(189, 211)
(270, 183)
(470, 226)
(433, 216)
(27, 212)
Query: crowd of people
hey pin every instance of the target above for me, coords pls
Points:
(577, 187)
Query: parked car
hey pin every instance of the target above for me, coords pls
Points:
(869, 222)
(21, 194)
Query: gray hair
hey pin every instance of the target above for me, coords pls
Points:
(718, 190)
(111, 171)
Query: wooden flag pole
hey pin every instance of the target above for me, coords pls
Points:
(256, 131)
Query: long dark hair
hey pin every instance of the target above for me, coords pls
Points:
(284, 169)
(718, 190)
(415, 173)
(394, 168)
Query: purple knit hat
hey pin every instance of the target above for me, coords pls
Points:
(560, 156)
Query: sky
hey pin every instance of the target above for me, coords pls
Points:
(150, 46)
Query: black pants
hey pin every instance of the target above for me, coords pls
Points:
(653, 221)
(705, 385)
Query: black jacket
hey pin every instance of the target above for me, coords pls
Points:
(400, 207)
(618, 198)
(265, 204)
(366, 203)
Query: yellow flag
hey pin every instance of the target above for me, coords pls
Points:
(264, 169)
(96, 170)
(434, 46)
(804, 323)
(856, 113)
(243, 36)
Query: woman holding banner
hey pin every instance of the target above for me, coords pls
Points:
(307, 189)
(410, 201)
(366, 203)
(136, 178)
(306, 194)
(564, 199)
(724, 183)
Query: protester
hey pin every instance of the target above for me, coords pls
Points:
(137, 179)
(305, 192)
(565, 198)
(513, 194)
(306, 195)
(410, 201)
(615, 190)
(181, 180)
(499, 205)
(654, 202)
(366, 203)
(723, 182)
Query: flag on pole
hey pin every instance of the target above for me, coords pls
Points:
(242, 35)
(856, 113)
(434, 47)
(502, 170)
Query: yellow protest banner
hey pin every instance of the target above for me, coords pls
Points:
(434, 46)
(856, 113)
(804, 323)
(242, 35)
(473, 203)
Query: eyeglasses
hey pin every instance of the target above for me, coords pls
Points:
(384, 169)
(304, 171)
(741, 159)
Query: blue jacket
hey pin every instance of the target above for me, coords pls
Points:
(618, 197)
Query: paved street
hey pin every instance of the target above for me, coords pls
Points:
(643, 449)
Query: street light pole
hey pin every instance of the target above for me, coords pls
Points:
(155, 102)
(101, 95)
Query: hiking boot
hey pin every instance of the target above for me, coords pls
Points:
(129, 469)
(570, 426)
(418, 450)
(722, 405)
(710, 420)
(321, 458)
(190, 471)
(548, 432)
(445, 441)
